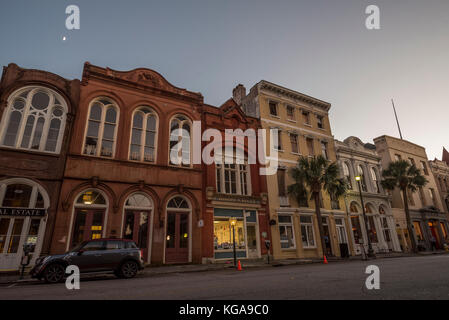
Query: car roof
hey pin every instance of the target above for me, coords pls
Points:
(112, 239)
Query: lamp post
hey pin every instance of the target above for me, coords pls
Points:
(233, 222)
(370, 247)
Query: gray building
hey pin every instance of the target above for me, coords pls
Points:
(356, 158)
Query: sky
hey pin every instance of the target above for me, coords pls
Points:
(318, 47)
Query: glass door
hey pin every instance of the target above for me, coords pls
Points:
(88, 225)
(251, 236)
(10, 242)
(177, 238)
(136, 228)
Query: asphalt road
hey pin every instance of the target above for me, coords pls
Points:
(400, 278)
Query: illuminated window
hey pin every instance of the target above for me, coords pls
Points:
(223, 234)
(418, 230)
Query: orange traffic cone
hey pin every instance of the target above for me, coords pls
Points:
(239, 266)
(325, 260)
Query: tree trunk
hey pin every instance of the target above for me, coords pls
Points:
(411, 234)
(316, 197)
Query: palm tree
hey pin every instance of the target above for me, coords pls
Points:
(313, 175)
(407, 177)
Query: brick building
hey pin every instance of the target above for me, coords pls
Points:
(235, 191)
(37, 109)
(120, 179)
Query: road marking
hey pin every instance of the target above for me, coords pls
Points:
(13, 285)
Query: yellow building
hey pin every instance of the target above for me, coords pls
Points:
(305, 130)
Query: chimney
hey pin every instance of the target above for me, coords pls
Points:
(239, 93)
(445, 156)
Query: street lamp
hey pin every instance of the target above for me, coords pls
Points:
(370, 247)
(233, 222)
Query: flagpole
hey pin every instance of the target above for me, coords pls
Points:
(397, 121)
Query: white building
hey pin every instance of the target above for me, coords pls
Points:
(359, 159)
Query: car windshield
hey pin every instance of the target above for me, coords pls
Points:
(78, 247)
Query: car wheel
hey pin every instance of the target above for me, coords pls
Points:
(54, 273)
(129, 269)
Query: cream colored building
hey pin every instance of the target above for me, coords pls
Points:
(361, 159)
(426, 209)
(305, 130)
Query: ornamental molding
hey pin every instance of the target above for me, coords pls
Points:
(294, 95)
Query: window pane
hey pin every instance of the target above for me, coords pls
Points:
(53, 133)
(143, 231)
(97, 225)
(78, 231)
(4, 225)
(171, 230)
(111, 115)
(184, 231)
(109, 131)
(40, 100)
(138, 121)
(149, 154)
(38, 134)
(149, 139)
(95, 112)
(151, 123)
(13, 126)
(27, 133)
(15, 236)
(17, 196)
(106, 148)
(92, 130)
(128, 229)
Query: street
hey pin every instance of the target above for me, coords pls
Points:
(400, 278)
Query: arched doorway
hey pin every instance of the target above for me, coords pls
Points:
(89, 217)
(23, 209)
(178, 234)
(137, 222)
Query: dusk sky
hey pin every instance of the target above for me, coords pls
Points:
(318, 47)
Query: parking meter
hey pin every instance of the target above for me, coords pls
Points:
(268, 245)
(28, 248)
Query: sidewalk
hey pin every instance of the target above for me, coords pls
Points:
(10, 278)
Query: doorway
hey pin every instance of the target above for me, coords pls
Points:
(88, 225)
(327, 237)
(136, 228)
(177, 238)
(434, 234)
(251, 238)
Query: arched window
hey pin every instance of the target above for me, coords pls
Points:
(143, 135)
(17, 229)
(101, 129)
(180, 144)
(35, 120)
(354, 207)
(178, 203)
(374, 176)
(347, 175)
(362, 178)
(233, 173)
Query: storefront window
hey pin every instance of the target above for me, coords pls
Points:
(4, 225)
(15, 235)
(341, 230)
(418, 231)
(223, 235)
(33, 232)
(307, 234)
(443, 229)
(356, 229)
(286, 232)
(372, 229)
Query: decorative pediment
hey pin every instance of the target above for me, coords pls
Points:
(140, 77)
